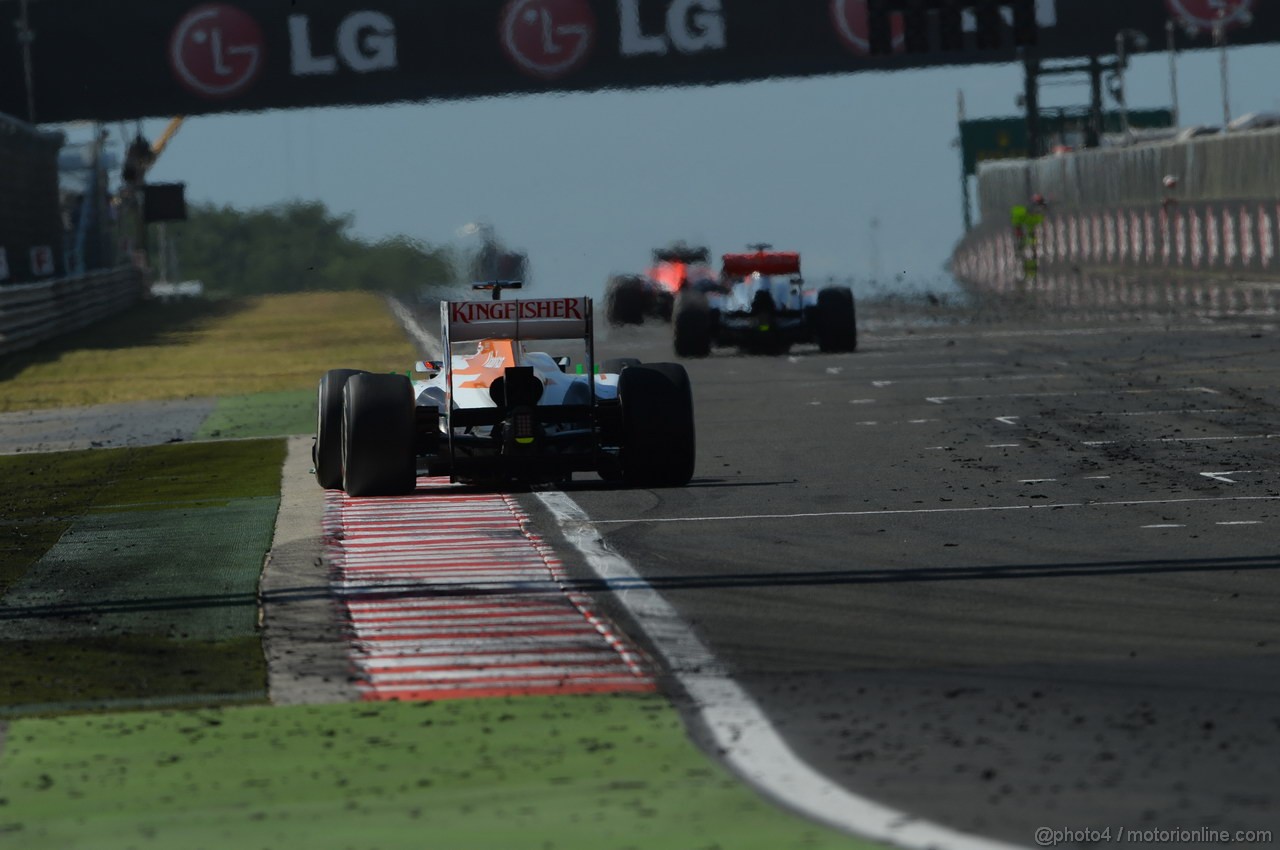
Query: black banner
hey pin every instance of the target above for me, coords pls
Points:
(115, 59)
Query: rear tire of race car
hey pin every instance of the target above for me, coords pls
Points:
(691, 322)
(327, 454)
(837, 325)
(377, 436)
(658, 439)
(624, 301)
(664, 305)
(615, 365)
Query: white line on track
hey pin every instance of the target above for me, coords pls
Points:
(1166, 525)
(1241, 522)
(943, 399)
(1125, 503)
(1185, 440)
(749, 744)
(1225, 477)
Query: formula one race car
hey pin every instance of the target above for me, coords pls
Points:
(629, 299)
(763, 307)
(494, 412)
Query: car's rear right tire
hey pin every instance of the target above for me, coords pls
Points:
(327, 454)
(691, 322)
(658, 437)
(837, 323)
(377, 436)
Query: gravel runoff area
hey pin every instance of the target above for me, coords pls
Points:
(103, 426)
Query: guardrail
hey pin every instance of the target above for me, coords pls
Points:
(1217, 240)
(33, 312)
(1242, 166)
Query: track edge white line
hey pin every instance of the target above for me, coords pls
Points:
(739, 730)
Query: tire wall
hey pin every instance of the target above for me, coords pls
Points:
(1109, 209)
(30, 216)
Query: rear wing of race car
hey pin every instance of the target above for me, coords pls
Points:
(774, 263)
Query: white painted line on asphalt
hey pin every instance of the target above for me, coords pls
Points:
(1186, 440)
(1004, 445)
(862, 401)
(937, 448)
(1166, 525)
(908, 422)
(1123, 503)
(834, 370)
(740, 730)
(1036, 480)
(879, 384)
(1224, 476)
(1241, 522)
(425, 339)
(1097, 478)
(1179, 412)
(943, 399)
(1008, 420)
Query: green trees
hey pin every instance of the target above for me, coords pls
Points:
(299, 246)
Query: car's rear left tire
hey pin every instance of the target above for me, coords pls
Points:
(658, 435)
(624, 301)
(377, 436)
(327, 453)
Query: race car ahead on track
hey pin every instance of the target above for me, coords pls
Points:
(762, 306)
(494, 412)
(630, 299)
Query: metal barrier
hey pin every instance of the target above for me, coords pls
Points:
(1243, 166)
(34, 312)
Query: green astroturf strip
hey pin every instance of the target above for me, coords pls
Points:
(569, 773)
(262, 415)
(132, 574)
(188, 573)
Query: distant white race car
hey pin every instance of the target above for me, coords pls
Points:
(496, 412)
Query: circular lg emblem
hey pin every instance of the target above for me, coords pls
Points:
(548, 39)
(1203, 15)
(216, 50)
(851, 21)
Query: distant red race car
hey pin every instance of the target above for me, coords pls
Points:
(630, 299)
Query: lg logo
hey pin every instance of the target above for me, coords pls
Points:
(364, 42)
(692, 26)
(217, 51)
(551, 39)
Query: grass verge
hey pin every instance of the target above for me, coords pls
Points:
(194, 349)
(589, 772)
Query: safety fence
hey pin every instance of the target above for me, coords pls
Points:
(33, 312)
(1222, 239)
(1240, 165)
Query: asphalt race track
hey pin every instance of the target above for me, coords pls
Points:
(1003, 575)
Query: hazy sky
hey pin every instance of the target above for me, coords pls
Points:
(588, 183)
